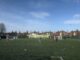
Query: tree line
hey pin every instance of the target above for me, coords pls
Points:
(2, 28)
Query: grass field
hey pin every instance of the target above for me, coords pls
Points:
(39, 49)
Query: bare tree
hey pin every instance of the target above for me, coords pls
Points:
(2, 28)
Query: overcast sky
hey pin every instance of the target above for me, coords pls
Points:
(40, 15)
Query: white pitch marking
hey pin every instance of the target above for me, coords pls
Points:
(60, 57)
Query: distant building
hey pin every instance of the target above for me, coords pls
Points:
(58, 35)
(39, 35)
(12, 35)
(8, 36)
(2, 36)
(75, 33)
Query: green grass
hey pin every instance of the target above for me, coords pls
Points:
(36, 49)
